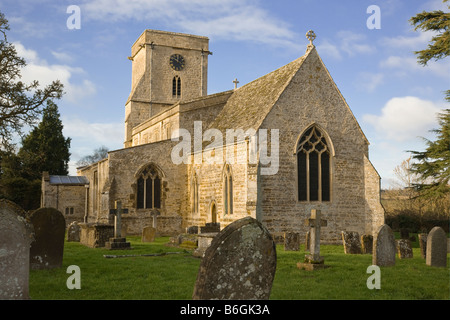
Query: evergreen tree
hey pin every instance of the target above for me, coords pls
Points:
(20, 103)
(439, 47)
(45, 148)
(434, 163)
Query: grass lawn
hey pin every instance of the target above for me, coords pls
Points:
(172, 276)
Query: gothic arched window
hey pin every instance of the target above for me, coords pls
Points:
(148, 189)
(313, 166)
(228, 190)
(176, 87)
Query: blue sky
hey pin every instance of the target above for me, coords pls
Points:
(394, 99)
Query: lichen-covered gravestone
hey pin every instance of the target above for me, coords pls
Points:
(240, 263)
(16, 235)
(367, 243)
(49, 228)
(437, 248)
(291, 241)
(384, 248)
(404, 249)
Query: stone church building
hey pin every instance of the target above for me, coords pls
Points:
(272, 149)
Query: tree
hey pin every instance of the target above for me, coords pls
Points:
(99, 154)
(20, 103)
(433, 164)
(45, 148)
(439, 47)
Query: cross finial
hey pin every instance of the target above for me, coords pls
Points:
(235, 81)
(310, 35)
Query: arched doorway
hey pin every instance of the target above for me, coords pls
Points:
(213, 212)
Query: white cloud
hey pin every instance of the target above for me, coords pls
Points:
(227, 19)
(95, 133)
(369, 81)
(419, 40)
(405, 65)
(349, 43)
(38, 69)
(405, 118)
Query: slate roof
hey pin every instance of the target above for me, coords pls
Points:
(249, 105)
(69, 180)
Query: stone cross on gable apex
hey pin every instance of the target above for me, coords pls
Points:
(310, 35)
(235, 81)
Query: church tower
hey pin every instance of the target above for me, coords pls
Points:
(166, 67)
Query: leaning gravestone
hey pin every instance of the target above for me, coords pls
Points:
(437, 248)
(49, 228)
(423, 244)
(351, 241)
(384, 247)
(16, 235)
(240, 263)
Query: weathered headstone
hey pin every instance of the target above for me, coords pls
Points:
(291, 241)
(314, 260)
(192, 230)
(118, 242)
(384, 247)
(240, 263)
(16, 235)
(203, 242)
(47, 250)
(73, 232)
(367, 243)
(437, 248)
(351, 241)
(148, 234)
(404, 249)
(423, 244)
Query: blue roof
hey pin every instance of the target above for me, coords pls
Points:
(72, 180)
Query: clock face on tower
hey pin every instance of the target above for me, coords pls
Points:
(177, 62)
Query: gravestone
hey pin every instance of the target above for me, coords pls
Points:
(118, 242)
(351, 241)
(437, 248)
(210, 227)
(239, 264)
(384, 247)
(73, 232)
(203, 242)
(291, 241)
(16, 235)
(367, 243)
(307, 241)
(148, 234)
(423, 244)
(314, 260)
(404, 249)
(192, 230)
(46, 251)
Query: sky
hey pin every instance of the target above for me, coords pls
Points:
(367, 46)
